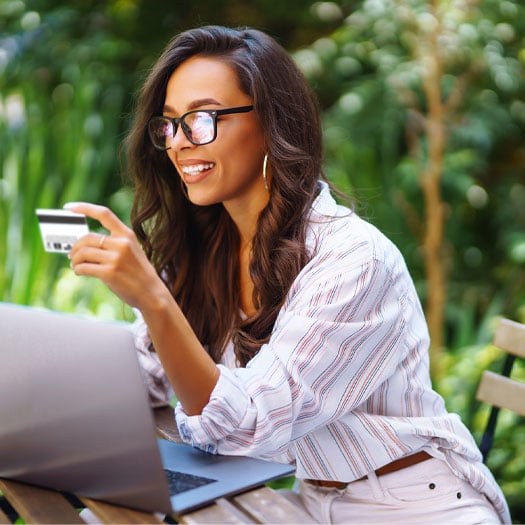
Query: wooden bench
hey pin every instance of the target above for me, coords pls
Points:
(38, 505)
(499, 390)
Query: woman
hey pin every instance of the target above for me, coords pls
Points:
(287, 326)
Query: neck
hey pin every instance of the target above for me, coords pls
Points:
(245, 216)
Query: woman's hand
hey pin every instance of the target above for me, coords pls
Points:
(116, 259)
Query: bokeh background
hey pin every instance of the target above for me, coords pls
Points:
(424, 114)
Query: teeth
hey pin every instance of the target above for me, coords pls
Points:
(193, 170)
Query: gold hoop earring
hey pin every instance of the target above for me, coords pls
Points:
(265, 177)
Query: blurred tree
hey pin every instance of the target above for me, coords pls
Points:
(424, 100)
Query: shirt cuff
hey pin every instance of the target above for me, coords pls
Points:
(224, 413)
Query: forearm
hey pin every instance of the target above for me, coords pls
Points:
(191, 371)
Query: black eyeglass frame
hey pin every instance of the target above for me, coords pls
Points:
(176, 121)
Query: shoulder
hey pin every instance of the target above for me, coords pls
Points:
(354, 273)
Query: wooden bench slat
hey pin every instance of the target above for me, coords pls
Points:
(266, 505)
(502, 392)
(4, 520)
(109, 513)
(222, 511)
(165, 424)
(510, 336)
(39, 505)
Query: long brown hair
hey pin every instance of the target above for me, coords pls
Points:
(195, 248)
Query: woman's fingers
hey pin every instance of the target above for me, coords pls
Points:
(116, 259)
(100, 213)
(116, 228)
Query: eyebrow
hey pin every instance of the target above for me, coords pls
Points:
(194, 104)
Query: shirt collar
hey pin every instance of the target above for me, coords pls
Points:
(324, 204)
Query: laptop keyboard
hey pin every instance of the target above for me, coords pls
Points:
(179, 482)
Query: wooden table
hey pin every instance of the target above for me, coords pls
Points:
(39, 505)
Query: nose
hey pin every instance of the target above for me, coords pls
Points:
(179, 140)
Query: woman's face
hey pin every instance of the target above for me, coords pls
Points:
(229, 169)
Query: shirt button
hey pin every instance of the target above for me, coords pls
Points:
(458, 495)
(432, 486)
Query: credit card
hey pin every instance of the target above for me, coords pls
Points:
(60, 229)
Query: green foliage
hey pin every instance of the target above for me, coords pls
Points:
(60, 122)
(370, 74)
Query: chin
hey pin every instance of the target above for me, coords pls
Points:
(201, 199)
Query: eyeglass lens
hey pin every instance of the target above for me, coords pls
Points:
(198, 126)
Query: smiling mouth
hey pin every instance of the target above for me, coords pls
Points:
(197, 168)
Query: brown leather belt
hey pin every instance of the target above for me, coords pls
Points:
(394, 466)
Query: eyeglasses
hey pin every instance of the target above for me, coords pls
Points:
(199, 126)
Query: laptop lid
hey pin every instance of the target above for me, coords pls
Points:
(74, 412)
(75, 416)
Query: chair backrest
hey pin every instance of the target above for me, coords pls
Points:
(499, 390)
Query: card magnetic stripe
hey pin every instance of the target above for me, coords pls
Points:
(61, 219)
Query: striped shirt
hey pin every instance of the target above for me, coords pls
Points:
(342, 387)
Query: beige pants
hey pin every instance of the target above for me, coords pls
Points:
(426, 493)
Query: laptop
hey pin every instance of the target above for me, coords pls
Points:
(75, 416)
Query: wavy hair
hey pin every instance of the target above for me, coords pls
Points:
(195, 248)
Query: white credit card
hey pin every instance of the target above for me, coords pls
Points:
(60, 229)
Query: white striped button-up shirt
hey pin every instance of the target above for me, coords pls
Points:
(342, 387)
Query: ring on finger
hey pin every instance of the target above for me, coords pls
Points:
(101, 241)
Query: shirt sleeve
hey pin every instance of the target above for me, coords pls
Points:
(159, 388)
(341, 333)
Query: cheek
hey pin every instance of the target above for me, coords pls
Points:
(171, 156)
(246, 158)
(250, 147)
